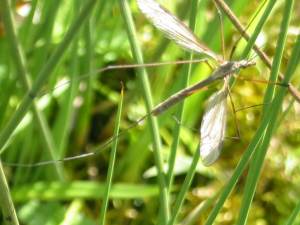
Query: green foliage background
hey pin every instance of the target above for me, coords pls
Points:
(81, 113)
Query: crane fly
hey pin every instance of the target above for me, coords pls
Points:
(213, 126)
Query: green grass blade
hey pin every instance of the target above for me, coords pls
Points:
(180, 108)
(84, 116)
(237, 173)
(256, 32)
(43, 75)
(279, 48)
(259, 155)
(252, 146)
(137, 54)
(19, 60)
(62, 127)
(185, 187)
(87, 190)
(294, 214)
(112, 160)
(258, 28)
(199, 210)
(7, 205)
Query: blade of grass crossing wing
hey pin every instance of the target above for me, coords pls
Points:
(251, 42)
(180, 110)
(148, 101)
(260, 153)
(112, 159)
(256, 141)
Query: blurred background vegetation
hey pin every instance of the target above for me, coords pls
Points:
(81, 114)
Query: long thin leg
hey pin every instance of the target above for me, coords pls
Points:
(120, 67)
(251, 106)
(263, 81)
(233, 110)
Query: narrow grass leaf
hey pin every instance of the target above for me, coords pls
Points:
(142, 75)
(112, 160)
(259, 154)
(89, 190)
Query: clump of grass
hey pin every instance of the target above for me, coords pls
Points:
(77, 117)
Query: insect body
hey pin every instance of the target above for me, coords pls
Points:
(213, 125)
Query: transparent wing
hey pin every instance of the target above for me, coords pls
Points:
(213, 127)
(172, 27)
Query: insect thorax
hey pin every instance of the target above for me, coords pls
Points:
(230, 67)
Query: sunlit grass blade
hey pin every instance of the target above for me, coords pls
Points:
(111, 167)
(7, 204)
(256, 143)
(184, 188)
(87, 190)
(292, 219)
(28, 99)
(260, 153)
(142, 74)
(21, 67)
(199, 210)
(43, 75)
(180, 110)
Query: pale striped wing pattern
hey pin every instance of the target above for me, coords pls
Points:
(213, 127)
(172, 27)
